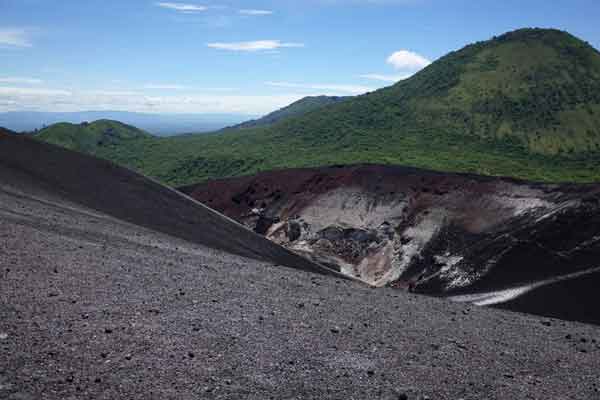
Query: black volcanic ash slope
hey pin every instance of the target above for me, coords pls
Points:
(116, 191)
(93, 307)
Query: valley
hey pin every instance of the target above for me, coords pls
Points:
(475, 110)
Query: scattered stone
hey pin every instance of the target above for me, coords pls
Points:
(335, 329)
(128, 357)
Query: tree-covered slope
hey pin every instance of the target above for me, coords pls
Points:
(297, 108)
(89, 137)
(525, 104)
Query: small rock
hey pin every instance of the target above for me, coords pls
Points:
(300, 305)
(335, 329)
(370, 372)
(98, 380)
(402, 396)
(128, 357)
(108, 330)
(546, 323)
(3, 336)
(191, 355)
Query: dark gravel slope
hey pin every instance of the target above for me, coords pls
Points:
(92, 307)
(119, 192)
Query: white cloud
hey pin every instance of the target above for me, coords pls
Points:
(188, 8)
(329, 88)
(254, 46)
(255, 12)
(162, 86)
(407, 60)
(21, 81)
(56, 100)
(385, 78)
(14, 37)
(20, 91)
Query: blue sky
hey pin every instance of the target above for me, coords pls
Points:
(235, 56)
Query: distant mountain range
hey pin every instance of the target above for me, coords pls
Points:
(157, 124)
(525, 104)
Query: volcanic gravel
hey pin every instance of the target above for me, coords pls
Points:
(92, 307)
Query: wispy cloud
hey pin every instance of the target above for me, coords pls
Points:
(20, 81)
(407, 60)
(330, 88)
(14, 37)
(255, 12)
(163, 86)
(385, 78)
(32, 92)
(57, 100)
(254, 46)
(182, 7)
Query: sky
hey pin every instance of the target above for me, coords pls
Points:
(242, 57)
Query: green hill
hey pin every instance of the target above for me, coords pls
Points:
(525, 104)
(89, 137)
(297, 108)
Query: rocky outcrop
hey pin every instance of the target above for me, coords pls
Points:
(435, 233)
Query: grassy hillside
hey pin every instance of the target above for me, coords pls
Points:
(89, 137)
(525, 104)
(298, 108)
